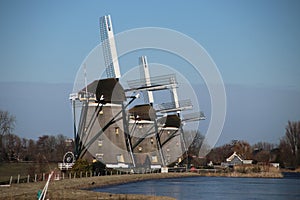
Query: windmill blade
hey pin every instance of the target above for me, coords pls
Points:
(145, 74)
(175, 106)
(157, 83)
(196, 116)
(109, 48)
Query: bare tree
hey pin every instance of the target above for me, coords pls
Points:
(219, 154)
(13, 147)
(292, 139)
(31, 150)
(263, 146)
(52, 148)
(264, 152)
(61, 147)
(7, 124)
(243, 148)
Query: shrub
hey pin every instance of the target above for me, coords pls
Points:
(81, 165)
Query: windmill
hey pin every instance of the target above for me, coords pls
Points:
(112, 130)
(164, 126)
(143, 122)
(102, 104)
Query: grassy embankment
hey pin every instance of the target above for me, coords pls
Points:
(23, 169)
(72, 188)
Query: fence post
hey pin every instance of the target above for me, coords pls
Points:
(70, 175)
(28, 178)
(10, 181)
(35, 176)
(75, 175)
(43, 176)
(18, 181)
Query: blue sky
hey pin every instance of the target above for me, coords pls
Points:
(255, 44)
(252, 42)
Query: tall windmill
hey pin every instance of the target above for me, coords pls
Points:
(101, 132)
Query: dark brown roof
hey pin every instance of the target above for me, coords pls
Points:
(143, 112)
(170, 121)
(110, 88)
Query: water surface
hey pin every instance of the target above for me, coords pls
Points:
(194, 188)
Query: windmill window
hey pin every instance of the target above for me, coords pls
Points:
(117, 130)
(154, 159)
(120, 158)
(151, 140)
(99, 156)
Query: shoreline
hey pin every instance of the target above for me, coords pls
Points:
(81, 187)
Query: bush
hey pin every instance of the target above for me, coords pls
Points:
(240, 169)
(81, 165)
(256, 169)
(99, 168)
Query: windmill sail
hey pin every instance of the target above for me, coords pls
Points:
(109, 48)
(145, 74)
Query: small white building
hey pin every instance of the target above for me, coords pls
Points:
(276, 165)
(236, 159)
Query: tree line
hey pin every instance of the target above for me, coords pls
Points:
(286, 153)
(52, 148)
(47, 148)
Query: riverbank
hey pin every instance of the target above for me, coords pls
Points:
(78, 188)
(245, 175)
